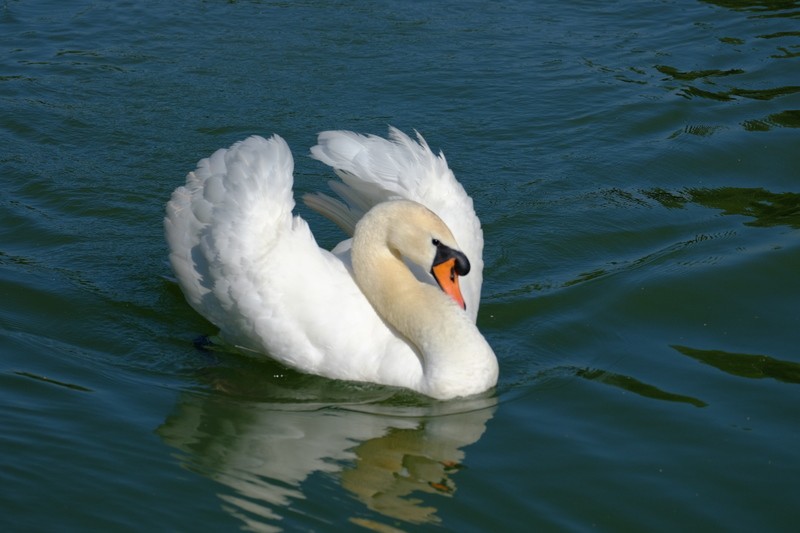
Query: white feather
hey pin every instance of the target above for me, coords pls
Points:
(374, 170)
(255, 271)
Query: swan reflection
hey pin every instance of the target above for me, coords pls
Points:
(380, 454)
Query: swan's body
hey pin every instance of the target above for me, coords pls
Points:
(257, 273)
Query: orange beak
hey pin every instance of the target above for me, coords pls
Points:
(445, 275)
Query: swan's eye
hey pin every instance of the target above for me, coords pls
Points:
(436, 242)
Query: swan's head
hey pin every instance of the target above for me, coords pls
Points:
(414, 232)
(447, 265)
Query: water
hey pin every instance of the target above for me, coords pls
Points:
(635, 166)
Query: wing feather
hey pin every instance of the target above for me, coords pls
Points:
(374, 170)
(255, 271)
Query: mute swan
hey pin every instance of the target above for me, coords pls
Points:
(370, 309)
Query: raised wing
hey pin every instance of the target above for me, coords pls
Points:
(257, 273)
(374, 170)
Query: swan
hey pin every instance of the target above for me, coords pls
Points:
(392, 305)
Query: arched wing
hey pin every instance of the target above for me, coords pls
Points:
(255, 271)
(374, 170)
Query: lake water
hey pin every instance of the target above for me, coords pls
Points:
(636, 167)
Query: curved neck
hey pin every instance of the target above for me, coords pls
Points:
(456, 359)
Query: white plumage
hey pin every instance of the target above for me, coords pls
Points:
(255, 271)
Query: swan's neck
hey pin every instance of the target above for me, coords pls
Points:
(456, 359)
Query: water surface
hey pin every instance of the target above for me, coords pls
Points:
(635, 167)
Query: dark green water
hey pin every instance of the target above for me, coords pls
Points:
(636, 166)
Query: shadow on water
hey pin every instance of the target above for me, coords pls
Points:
(757, 6)
(765, 207)
(689, 90)
(745, 365)
(385, 448)
(775, 41)
(635, 386)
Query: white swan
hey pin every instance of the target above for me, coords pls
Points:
(375, 314)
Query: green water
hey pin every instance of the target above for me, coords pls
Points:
(636, 167)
